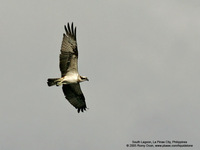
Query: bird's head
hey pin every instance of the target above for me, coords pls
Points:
(83, 78)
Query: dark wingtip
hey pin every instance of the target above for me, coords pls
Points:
(70, 30)
(66, 29)
(68, 26)
(81, 109)
(75, 32)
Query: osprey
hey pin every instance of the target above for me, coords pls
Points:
(70, 78)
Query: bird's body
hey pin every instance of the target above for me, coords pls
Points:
(70, 77)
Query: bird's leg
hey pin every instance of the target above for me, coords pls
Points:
(59, 82)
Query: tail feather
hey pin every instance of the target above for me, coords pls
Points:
(54, 81)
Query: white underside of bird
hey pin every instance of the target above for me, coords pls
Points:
(70, 78)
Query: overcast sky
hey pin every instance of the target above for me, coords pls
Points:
(142, 59)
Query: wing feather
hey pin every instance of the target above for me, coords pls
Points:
(69, 28)
(75, 96)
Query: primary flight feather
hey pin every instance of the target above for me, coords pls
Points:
(70, 78)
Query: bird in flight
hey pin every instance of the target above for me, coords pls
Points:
(70, 78)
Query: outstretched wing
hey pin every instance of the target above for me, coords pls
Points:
(75, 96)
(69, 51)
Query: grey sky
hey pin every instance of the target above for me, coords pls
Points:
(142, 59)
